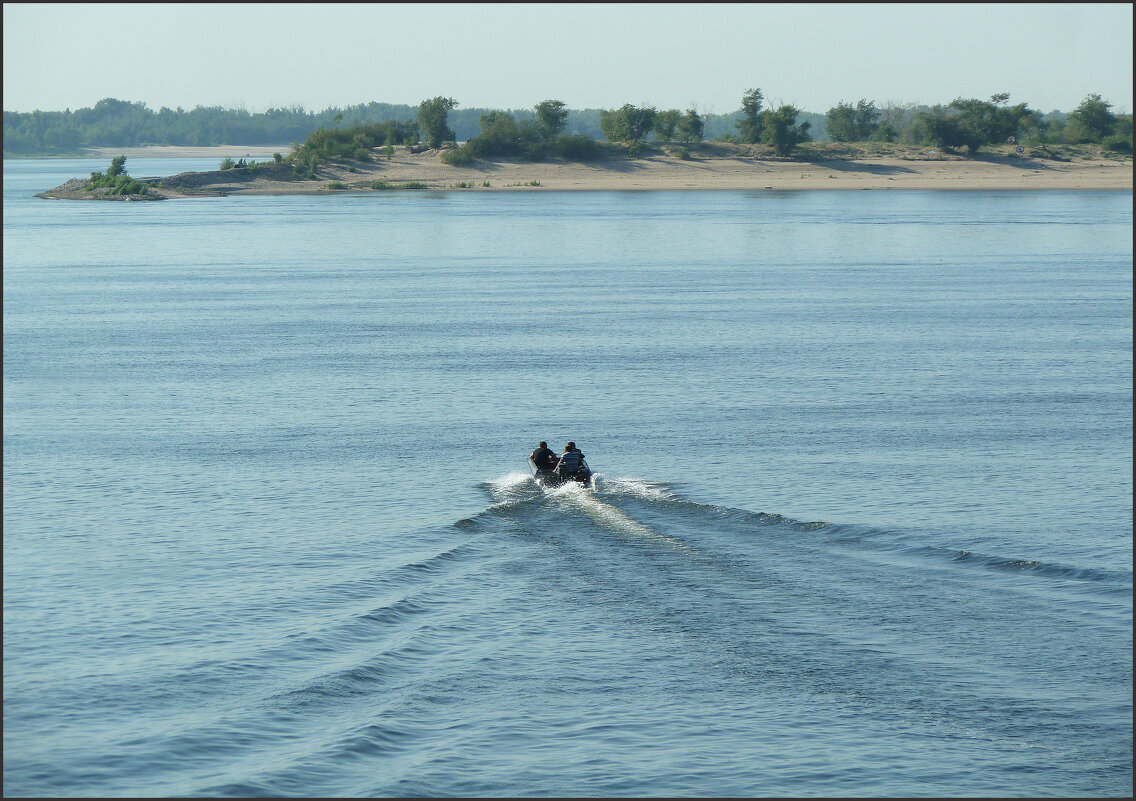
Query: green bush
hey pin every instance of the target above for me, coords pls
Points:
(460, 157)
(533, 151)
(502, 135)
(122, 185)
(346, 143)
(578, 148)
(125, 185)
(1118, 144)
(115, 180)
(684, 154)
(383, 185)
(336, 185)
(277, 158)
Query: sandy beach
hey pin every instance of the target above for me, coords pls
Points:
(664, 172)
(711, 167)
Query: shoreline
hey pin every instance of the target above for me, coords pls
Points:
(712, 168)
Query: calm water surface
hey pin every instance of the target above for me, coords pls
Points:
(863, 524)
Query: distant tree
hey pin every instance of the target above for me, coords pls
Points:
(691, 127)
(895, 122)
(665, 124)
(500, 136)
(1124, 125)
(1121, 141)
(884, 132)
(976, 123)
(1050, 129)
(642, 121)
(847, 123)
(751, 127)
(782, 131)
(972, 123)
(938, 125)
(995, 122)
(117, 167)
(432, 120)
(840, 123)
(1092, 121)
(551, 115)
(614, 125)
(628, 123)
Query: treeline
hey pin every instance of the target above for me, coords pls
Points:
(968, 123)
(971, 123)
(119, 123)
(502, 134)
(963, 123)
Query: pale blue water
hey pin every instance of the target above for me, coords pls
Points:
(863, 526)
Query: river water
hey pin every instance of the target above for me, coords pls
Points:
(863, 523)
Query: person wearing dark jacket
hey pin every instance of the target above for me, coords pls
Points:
(543, 459)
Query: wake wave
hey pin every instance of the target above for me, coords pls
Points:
(879, 540)
(653, 510)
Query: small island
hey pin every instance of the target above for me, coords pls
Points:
(968, 146)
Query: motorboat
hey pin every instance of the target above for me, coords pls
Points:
(554, 478)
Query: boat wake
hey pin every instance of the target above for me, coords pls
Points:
(518, 491)
(654, 511)
(638, 576)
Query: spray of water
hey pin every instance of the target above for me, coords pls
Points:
(589, 502)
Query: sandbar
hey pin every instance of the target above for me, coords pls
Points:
(711, 167)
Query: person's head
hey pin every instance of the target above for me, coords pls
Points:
(543, 444)
(571, 446)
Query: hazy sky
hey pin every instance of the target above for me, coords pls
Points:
(589, 56)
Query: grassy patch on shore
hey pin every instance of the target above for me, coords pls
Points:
(115, 180)
(384, 186)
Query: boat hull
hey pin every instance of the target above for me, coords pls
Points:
(549, 479)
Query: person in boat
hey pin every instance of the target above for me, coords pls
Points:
(571, 463)
(543, 459)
